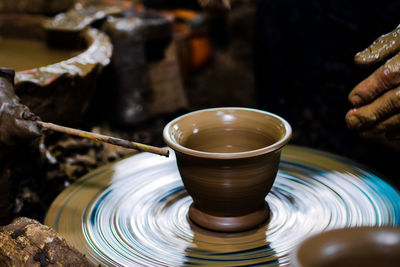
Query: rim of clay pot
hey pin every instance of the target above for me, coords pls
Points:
(236, 155)
(98, 51)
(342, 234)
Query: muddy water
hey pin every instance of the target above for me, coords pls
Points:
(24, 54)
(220, 140)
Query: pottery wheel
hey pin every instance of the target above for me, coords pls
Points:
(134, 212)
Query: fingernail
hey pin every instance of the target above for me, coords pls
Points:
(356, 100)
(353, 121)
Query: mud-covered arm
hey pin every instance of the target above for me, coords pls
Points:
(17, 123)
(376, 99)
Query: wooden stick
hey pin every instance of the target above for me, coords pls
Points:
(104, 138)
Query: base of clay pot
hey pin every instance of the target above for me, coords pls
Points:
(229, 224)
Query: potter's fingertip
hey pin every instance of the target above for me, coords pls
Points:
(353, 121)
(357, 57)
(356, 100)
(349, 114)
(363, 58)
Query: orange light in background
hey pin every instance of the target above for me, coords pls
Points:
(122, 3)
(182, 14)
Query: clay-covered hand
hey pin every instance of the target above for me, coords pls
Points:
(17, 124)
(215, 3)
(376, 99)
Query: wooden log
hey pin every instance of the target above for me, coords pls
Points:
(26, 242)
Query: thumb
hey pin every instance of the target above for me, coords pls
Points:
(380, 49)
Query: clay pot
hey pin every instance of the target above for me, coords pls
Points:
(228, 159)
(61, 91)
(363, 246)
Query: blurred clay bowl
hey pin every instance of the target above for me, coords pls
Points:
(57, 84)
(361, 246)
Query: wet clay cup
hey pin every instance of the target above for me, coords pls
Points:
(228, 159)
(361, 246)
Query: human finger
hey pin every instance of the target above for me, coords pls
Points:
(375, 112)
(380, 49)
(383, 79)
(390, 126)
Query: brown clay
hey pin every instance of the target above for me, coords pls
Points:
(228, 159)
(364, 246)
